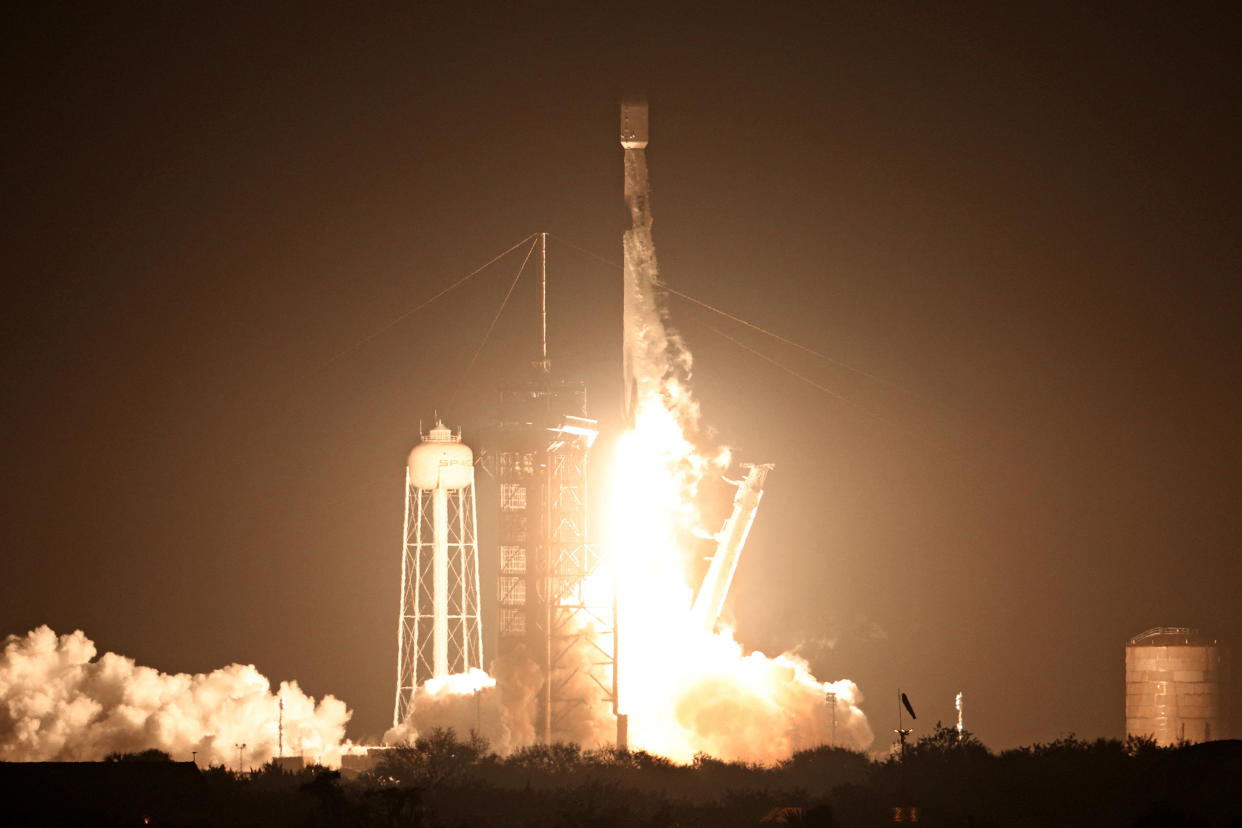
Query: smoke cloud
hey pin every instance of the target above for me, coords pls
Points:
(59, 703)
(503, 707)
(466, 702)
(747, 707)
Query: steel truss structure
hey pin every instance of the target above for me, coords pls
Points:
(439, 628)
(581, 619)
(555, 596)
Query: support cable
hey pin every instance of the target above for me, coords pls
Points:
(786, 368)
(949, 450)
(780, 338)
(495, 319)
(427, 302)
(664, 286)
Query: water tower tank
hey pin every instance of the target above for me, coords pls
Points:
(441, 458)
(1173, 686)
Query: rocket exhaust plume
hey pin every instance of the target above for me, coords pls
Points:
(685, 687)
(59, 703)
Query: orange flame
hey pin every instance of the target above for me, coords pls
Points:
(687, 690)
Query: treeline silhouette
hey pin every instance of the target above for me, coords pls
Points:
(441, 779)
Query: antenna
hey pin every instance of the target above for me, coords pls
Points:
(958, 704)
(280, 740)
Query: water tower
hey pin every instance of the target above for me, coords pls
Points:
(438, 631)
(1173, 686)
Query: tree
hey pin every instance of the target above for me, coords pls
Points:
(149, 755)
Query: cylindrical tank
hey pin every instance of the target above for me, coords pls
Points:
(1173, 686)
(441, 459)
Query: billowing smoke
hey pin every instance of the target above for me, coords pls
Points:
(500, 707)
(717, 699)
(59, 703)
(466, 702)
(518, 679)
(503, 707)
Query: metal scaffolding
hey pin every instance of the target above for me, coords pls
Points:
(580, 619)
(548, 610)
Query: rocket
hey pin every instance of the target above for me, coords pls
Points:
(634, 122)
(643, 338)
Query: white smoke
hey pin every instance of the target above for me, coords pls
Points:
(740, 706)
(502, 707)
(465, 702)
(518, 679)
(59, 703)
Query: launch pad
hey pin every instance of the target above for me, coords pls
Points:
(559, 608)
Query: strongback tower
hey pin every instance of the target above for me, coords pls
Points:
(438, 630)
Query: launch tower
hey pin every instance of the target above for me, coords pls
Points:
(545, 611)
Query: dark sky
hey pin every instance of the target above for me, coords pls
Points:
(1024, 223)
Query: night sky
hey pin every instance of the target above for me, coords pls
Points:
(1018, 229)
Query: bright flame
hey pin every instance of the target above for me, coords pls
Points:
(687, 690)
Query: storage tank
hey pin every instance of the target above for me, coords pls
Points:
(439, 631)
(441, 459)
(1173, 686)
